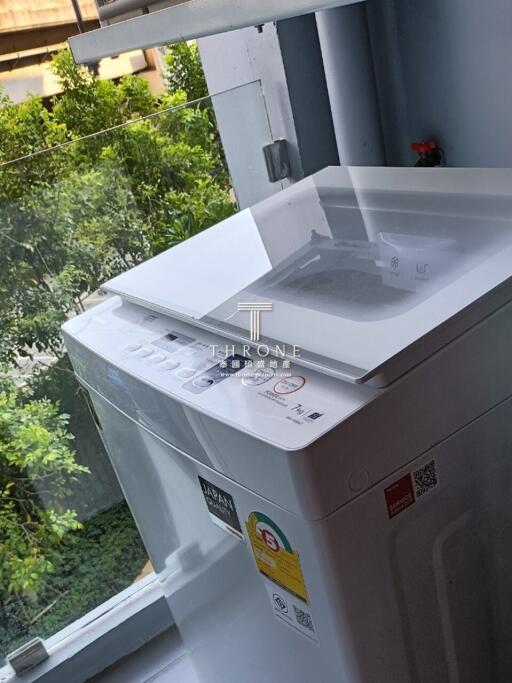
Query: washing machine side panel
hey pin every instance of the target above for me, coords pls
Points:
(420, 597)
(221, 603)
(438, 397)
(425, 580)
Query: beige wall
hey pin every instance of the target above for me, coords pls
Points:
(23, 15)
(38, 79)
(32, 30)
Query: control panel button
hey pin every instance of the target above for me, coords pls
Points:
(156, 358)
(203, 382)
(170, 364)
(132, 347)
(289, 385)
(185, 373)
(214, 375)
(257, 377)
(145, 351)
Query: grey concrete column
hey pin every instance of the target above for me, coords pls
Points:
(346, 53)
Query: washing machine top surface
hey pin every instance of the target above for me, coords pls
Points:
(359, 273)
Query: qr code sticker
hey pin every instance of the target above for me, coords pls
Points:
(303, 618)
(425, 479)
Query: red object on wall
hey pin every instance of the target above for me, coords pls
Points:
(422, 147)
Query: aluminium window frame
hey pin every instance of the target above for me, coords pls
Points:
(103, 636)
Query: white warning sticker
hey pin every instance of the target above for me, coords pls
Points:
(291, 611)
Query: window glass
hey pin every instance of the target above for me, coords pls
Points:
(72, 216)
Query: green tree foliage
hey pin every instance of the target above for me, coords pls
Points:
(185, 72)
(58, 243)
(34, 454)
(89, 104)
(89, 566)
(74, 216)
(73, 213)
(26, 128)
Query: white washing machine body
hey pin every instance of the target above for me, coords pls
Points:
(339, 513)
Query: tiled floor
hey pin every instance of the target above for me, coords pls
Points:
(160, 661)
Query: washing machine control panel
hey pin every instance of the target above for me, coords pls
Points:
(272, 397)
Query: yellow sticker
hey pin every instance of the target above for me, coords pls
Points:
(275, 558)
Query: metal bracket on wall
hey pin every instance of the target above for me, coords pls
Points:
(277, 160)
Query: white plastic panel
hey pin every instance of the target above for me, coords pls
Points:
(167, 282)
(358, 264)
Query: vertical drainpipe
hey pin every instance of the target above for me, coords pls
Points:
(93, 67)
(348, 65)
(78, 16)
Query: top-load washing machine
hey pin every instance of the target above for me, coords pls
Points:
(309, 409)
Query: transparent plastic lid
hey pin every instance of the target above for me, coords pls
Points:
(350, 268)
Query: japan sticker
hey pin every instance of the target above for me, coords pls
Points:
(221, 507)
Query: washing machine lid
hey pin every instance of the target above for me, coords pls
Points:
(357, 272)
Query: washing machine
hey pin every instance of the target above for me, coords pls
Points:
(309, 409)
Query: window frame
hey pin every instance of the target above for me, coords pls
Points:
(101, 637)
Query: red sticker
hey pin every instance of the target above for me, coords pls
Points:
(399, 495)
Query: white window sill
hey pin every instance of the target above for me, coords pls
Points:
(108, 633)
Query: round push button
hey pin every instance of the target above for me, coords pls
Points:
(156, 358)
(203, 382)
(132, 347)
(145, 351)
(289, 385)
(257, 377)
(185, 373)
(170, 364)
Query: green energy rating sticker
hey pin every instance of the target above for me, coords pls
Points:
(275, 558)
